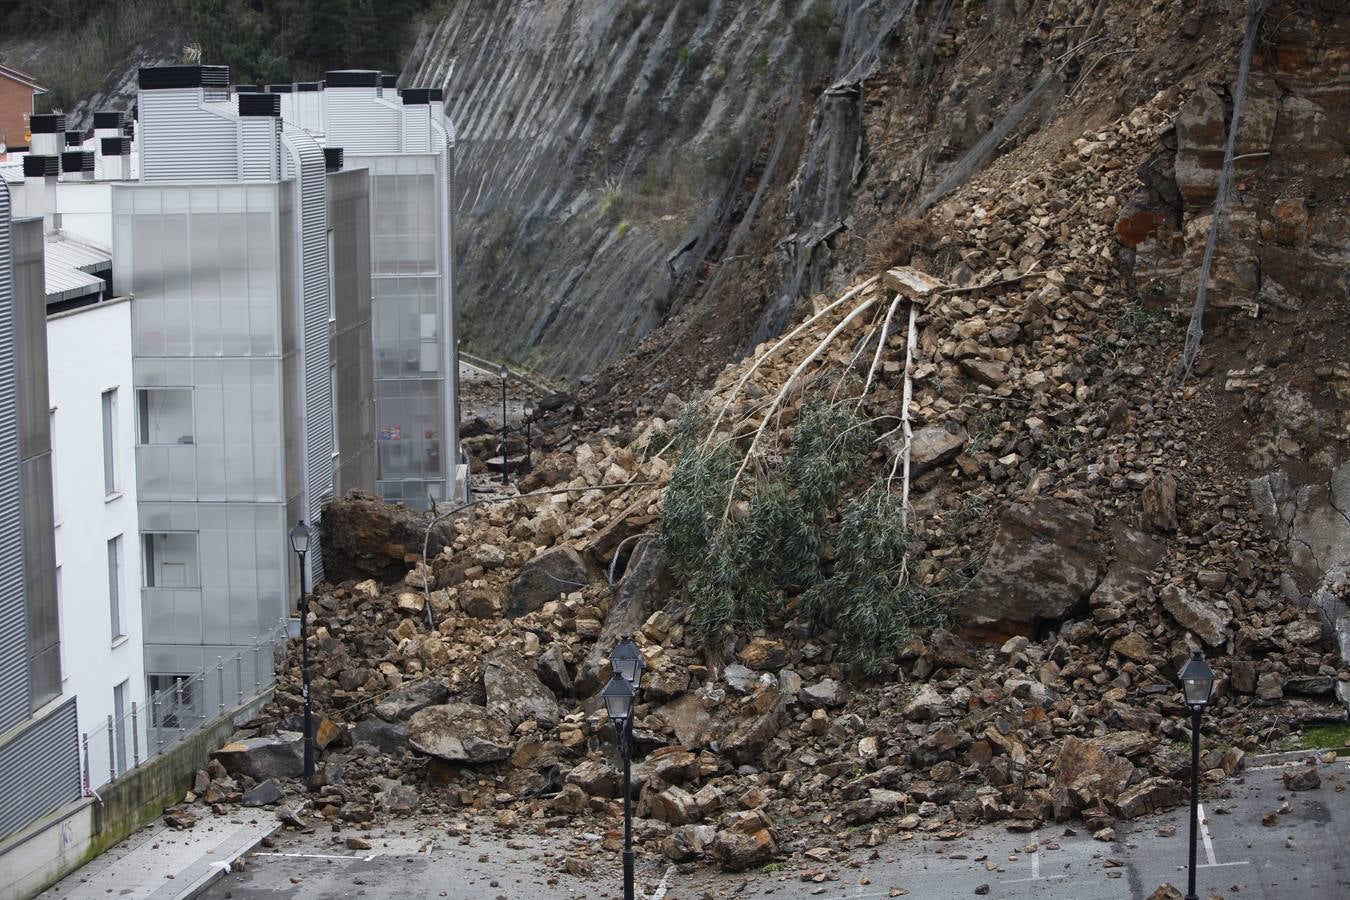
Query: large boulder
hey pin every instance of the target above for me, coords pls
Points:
(745, 842)
(646, 587)
(406, 701)
(280, 755)
(365, 537)
(560, 570)
(390, 737)
(461, 733)
(1202, 619)
(1087, 774)
(515, 692)
(932, 446)
(1044, 561)
(754, 732)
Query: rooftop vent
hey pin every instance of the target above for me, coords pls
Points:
(114, 146)
(308, 87)
(246, 89)
(332, 159)
(47, 123)
(77, 161)
(36, 166)
(389, 82)
(74, 138)
(259, 104)
(352, 78)
(109, 118)
(280, 88)
(420, 95)
(160, 77)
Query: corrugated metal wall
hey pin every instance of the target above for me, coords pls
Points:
(307, 157)
(14, 686)
(40, 769)
(182, 139)
(359, 122)
(260, 144)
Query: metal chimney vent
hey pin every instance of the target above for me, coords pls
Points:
(332, 159)
(309, 87)
(74, 138)
(280, 88)
(246, 89)
(345, 78)
(259, 104)
(158, 77)
(77, 161)
(418, 96)
(109, 119)
(40, 166)
(47, 123)
(115, 146)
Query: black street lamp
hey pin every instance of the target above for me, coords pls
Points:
(300, 544)
(1197, 682)
(628, 664)
(504, 373)
(529, 419)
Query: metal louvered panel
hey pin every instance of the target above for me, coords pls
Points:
(260, 144)
(315, 335)
(359, 122)
(417, 128)
(182, 139)
(39, 769)
(14, 686)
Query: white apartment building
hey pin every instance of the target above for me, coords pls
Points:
(94, 483)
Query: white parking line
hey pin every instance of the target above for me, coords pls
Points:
(318, 856)
(1036, 863)
(1204, 835)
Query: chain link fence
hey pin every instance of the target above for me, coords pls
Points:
(178, 705)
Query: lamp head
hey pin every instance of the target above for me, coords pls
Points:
(626, 660)
(300, 537)
(618, 696)
(503, 372)
(529, 409)
(1197, 680)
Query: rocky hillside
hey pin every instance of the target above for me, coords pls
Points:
(933, 557)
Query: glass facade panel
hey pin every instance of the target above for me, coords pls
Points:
(409, 321)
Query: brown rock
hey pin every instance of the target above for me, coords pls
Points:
(1089, 773)
(1197, 617)
(460, 732)
(1042, 563)
(1302, 779)
(1159, 503)
(764, 654)
(1149, 796)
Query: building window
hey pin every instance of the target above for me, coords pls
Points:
(120, 725)
(110, 441)
(115, 587)
(171, 559)
(165, 415)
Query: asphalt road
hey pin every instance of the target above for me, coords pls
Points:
(1300, 857)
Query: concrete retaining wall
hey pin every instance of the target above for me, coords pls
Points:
(67, 838)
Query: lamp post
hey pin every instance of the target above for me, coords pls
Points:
(628, 664)
(1197, 682)
(504, 373)
(529, 419)
(300, 544)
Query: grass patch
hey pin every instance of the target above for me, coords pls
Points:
(1324, 737)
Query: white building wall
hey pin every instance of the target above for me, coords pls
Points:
(89, 352)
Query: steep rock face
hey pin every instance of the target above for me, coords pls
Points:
(619, 161)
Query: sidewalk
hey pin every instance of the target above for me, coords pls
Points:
(163, 863)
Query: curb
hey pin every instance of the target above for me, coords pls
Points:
(206, 872)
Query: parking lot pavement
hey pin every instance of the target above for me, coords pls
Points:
(1298, 857)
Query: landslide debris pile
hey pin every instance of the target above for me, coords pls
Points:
(1075, 524)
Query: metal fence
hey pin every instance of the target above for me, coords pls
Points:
(182, 705)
